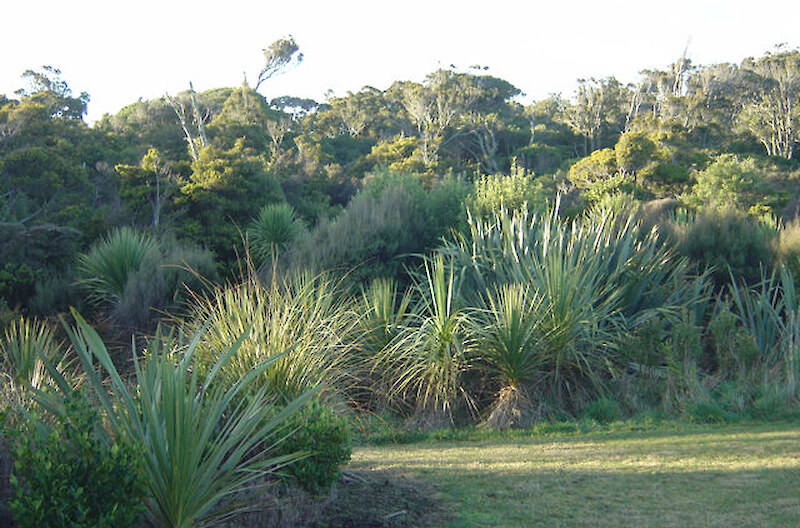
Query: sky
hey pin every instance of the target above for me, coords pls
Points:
(120, 51)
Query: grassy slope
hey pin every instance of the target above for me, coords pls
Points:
(726, 476)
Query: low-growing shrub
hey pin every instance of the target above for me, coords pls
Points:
(69, 474)
(602, 410)
(708, 412)
(326, 439)
(728, 241)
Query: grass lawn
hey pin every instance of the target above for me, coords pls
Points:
(686, 476)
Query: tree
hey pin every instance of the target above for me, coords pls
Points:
(728, 183)
(277, 57)
(773, 112)
(146, 188)
(46, 87)
(597, 110)
(226, 189)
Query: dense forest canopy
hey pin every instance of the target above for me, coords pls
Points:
(201, 166)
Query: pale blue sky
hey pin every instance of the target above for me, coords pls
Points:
(120, 51)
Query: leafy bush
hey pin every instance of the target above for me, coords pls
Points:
(326, 439)
(708, 412)
(68, 474)
(727, 183)
(728, 242)
(393, 218)
(135, 275)
(165, 281)
(603, 410)
(512, 191)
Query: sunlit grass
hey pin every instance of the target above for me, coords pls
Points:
(694, 476)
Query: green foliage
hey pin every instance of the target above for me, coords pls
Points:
(597, 278)
(326, 440)
(133, 274)
(383, 313)
(599, 165)
(147, 189)
(165, 282)
(68, 473)
(727, 183)
(726, 240)
(603, 411)
(508, 338)
(225, 191)
(23, 343)
(392, 218)
(303, 316)
(203, 444)
(272, 231)
(401, 154)
(789, 248)
(105, 269)
(517, 189)
(425, 364)
(633, 151)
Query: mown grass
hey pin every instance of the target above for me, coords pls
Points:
(669, 476)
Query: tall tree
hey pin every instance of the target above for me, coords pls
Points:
(772, 113)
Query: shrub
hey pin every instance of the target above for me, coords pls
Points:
(727, 241)
(603, 410)
(513, 191)
(304, 316)
(727, 183)
(424, 366)
(392, 219)
(135, 275)
(325, 438)
(789, 248)
(68, 474)
(508, 340)
(164, 282)
(708, 412)
(23, 343)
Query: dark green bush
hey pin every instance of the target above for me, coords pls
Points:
(392, 218)
(603, 410)
(708, 412)
(325, 437)
(725, 240)
(69, 474)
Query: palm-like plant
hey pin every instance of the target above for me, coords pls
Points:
(508, 336)
(204, 443)
(383, 313)
(105, 269)
(770, 312)
(22, 346)
(598, 278)
(275, 227)
(427, 360)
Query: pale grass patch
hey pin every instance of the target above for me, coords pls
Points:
(698, 476)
